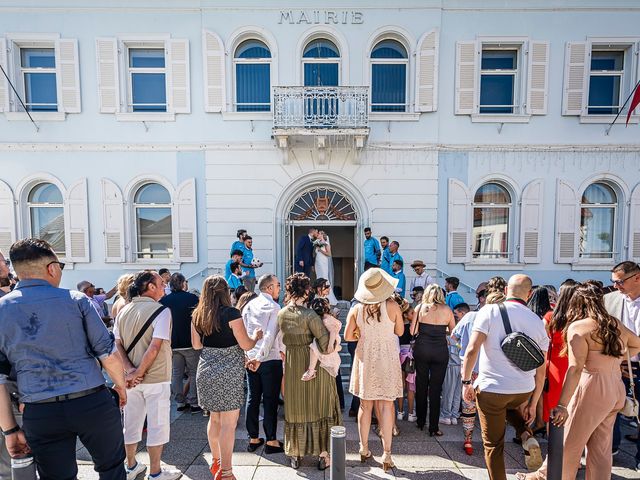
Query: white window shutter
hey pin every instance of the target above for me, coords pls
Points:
(466, 77)
(634, 225)
(214, 72)
(179, 91)
(576, 71)
(538, 84)
(427, 72)
(113, 217)
(4, 84)
(7, 219)
(186, 222)
(567, 223)
(76, 222)
(531, 222)
(108, 79)
(68, 75)
(459, 238)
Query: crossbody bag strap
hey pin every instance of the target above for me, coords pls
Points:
(633, 390)
(144, 328)
(505, 318)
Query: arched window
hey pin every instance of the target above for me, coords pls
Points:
(321, 60)
(389, 62)
(252, 68)
(491, 215)
(597, 221)
(46, 215)
(152, 206)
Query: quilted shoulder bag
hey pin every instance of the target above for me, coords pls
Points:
(409, 365)
(518, 347)
(631, 407)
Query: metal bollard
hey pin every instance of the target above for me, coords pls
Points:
(555, 452)
(338, 453)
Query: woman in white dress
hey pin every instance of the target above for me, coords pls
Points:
(324, 263)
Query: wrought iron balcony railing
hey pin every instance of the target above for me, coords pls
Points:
(321, 107)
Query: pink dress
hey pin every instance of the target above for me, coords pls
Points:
(330, 361)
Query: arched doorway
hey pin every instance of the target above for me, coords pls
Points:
(328, 207)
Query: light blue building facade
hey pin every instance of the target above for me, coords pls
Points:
(477, 136)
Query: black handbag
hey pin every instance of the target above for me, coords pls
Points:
(409, 365)
(518, 347)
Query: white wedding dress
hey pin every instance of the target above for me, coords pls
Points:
(324, 269)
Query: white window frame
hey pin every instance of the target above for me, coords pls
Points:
(614, 233)
(510, 254)
(135, 206)
(408, 101)
(130, 71)
(31, 206)
(250, 61)
(521, 44)
(34, 70)
(329, 33)
(308, 60)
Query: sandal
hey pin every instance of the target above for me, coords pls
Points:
(395, 431)
(365, 453)
(532, 454)
(215, 467)
(468, 447)
(323, 461)
(295, 462)
(227, 474)
(528, 476)
(437, 433)
(309, 375)
(387, 463)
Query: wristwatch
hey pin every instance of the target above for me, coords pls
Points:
(13, 430)
(467, 382)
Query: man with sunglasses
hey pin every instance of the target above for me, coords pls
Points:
(624, 304)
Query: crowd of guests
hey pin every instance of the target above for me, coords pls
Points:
(231, 348)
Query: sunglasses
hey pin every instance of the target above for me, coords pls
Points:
(60, 264)
(619, 283)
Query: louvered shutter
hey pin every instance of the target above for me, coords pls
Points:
(214, 71)
(186, 222)
(459, 222)
(179, 78)
(427, 72)
(4, 84)
(108, 79)
(531, 222)
(538, 85)
(7, 219)
(567, 223)
(76, 222)
(68, 75)
(113, 217)
(576, 71)
(634, 225)
(466, 77)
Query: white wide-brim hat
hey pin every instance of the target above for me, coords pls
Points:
(375, 286)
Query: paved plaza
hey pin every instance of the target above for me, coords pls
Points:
(416, 455)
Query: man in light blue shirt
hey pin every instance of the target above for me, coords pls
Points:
(372, 250)
(248, 266)
(385, 263)
(396, 271)
(235, 277)
(236, 256)
(239, 244)
(453, 298)
(393, 254)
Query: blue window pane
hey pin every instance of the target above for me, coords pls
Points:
(152, 193)
(388, 88)
(389, 49)
(320, 74)
(601, 60)
(496, 90)
(40, 92)
(149, 93)
(604, 95)
(321, 49)
(38, 57)
(253, 87)
(252, 49)
(499, 59)
(146, 58)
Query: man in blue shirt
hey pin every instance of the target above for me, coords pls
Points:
(453, 298)
(235, 277)
(248, 266)
(396, 271)
(54, 339)
(393, 254)
(385, 263)
(372, 250)
(239, 244)
(236, 256)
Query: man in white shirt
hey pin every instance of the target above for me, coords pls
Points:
(501, 387)
(264, 372)
(422, 278)
(624, 304)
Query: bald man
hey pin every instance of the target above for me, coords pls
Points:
(501, 387)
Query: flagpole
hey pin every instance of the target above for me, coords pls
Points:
(620, 111)
(21, 102)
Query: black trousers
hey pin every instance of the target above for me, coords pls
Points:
(264, 385)
(53, 428)
(355, 401)
(340, 389)
(431, 368)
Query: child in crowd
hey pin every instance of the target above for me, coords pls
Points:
(452, 389)
(409, 379)
(331, 360)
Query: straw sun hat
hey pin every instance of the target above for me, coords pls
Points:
(375, 286)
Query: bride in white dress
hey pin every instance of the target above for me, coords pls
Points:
(324, 264)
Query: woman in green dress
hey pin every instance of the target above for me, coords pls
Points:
(311, 408)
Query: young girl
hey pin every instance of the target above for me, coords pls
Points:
(331, 360)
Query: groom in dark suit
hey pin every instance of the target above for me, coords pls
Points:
(304, 252)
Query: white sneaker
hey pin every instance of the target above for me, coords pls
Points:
(454, 421)
(412, 417)
(166, 475)
(445, 421)
(137, 470)
(399, 416)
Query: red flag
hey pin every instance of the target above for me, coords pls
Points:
(635, 101)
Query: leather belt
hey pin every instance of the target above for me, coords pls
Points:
(71, 396)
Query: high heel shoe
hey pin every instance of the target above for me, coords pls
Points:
(387, 463)
(215, 467)
(365, 453)
(295, 462)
